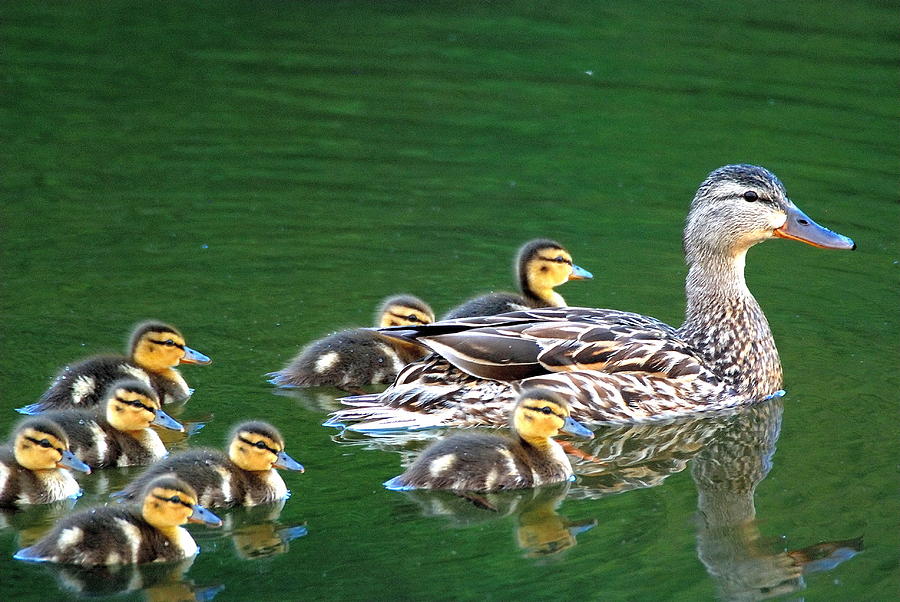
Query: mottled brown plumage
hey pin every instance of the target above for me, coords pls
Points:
(616, 366)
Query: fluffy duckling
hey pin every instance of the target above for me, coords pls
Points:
(541, 265)
(483, 462)
(154, 351)
(32, 472)
(121, 435)
(245, 477)
(110, 535)
(352, 358)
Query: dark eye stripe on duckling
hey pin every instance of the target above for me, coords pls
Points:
(545, 410)
(44, 443)
(258, 444)
(173, 499)
(135, 403)
(557, 259)
(410, 317)
(167, 342)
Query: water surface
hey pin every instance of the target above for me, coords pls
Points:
(262, 174)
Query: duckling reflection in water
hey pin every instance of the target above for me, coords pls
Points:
(119, 433)
(540, 531)
(108, 535)
(352, 358)
(244, 477)
(541, 265)
(34, 469)
(483, 462)
(256, 532)
(153, 352)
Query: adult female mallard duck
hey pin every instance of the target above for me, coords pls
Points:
(153, 352)
(118, 434)
(110, 535)
(615, 366)
(34, 470)
(483, 462)
(352, 358)
(245, 477)
(541, 266)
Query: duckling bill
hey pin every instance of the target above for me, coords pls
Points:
(119, 433)
(482, 462)
(115, 535)
(35, 470)
(153, 352)
(246, 476)
(352, 358)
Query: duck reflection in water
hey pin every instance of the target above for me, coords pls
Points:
(158, 581)
(255, 532)
(729, 543)
(540, 531)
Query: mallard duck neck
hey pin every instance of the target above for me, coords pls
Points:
(725, 324)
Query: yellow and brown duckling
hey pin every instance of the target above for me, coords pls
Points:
(484, 462)
(116, 535)
(153, 352)
(352, 358)
(246, 476)
(119, 433)
(34, 471)
(541, 266)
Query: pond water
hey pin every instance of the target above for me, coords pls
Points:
(261, 174)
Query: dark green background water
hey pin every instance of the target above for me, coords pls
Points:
(260, 174)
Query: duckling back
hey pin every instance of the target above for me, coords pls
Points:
(488, 305)
(217, 480)
(99, 445)
(483, 462)
(105, 536)
(81, 386)
(348, 359)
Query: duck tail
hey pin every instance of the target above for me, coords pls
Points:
(30, 554)
(37, 407)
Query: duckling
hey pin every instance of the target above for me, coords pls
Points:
(121, 436)
(109, 535)
(352, 358)
(245, 477)
(154, 351)
(31, 472)
(482, 462)
(541, 265)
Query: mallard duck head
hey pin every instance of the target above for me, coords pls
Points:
(259, 446)
(540, 414)
(543, 264)
(40, 444)
(738, 206)
(157, 347)
(133, 406)
(170, 502)
(403, 310)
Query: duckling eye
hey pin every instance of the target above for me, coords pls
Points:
(260, 445)
(44, 443)
(750, 196)
(546, 410)
(412, 318)
(169, 343)
(175, 499)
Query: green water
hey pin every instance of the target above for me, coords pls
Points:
(260, 174)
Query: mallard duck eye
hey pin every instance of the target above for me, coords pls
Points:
(412, 318)
(260, 445)
(175, 499)
(44, 443)
(750, 196)
(169, 343)
(546, 410)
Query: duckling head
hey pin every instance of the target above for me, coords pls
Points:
(157, 347)
(544, 264)
(133, 406)
(403, 310)
(40, 444)
(541, 414)
(259, 446)
(738, 206)
(170, 502)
